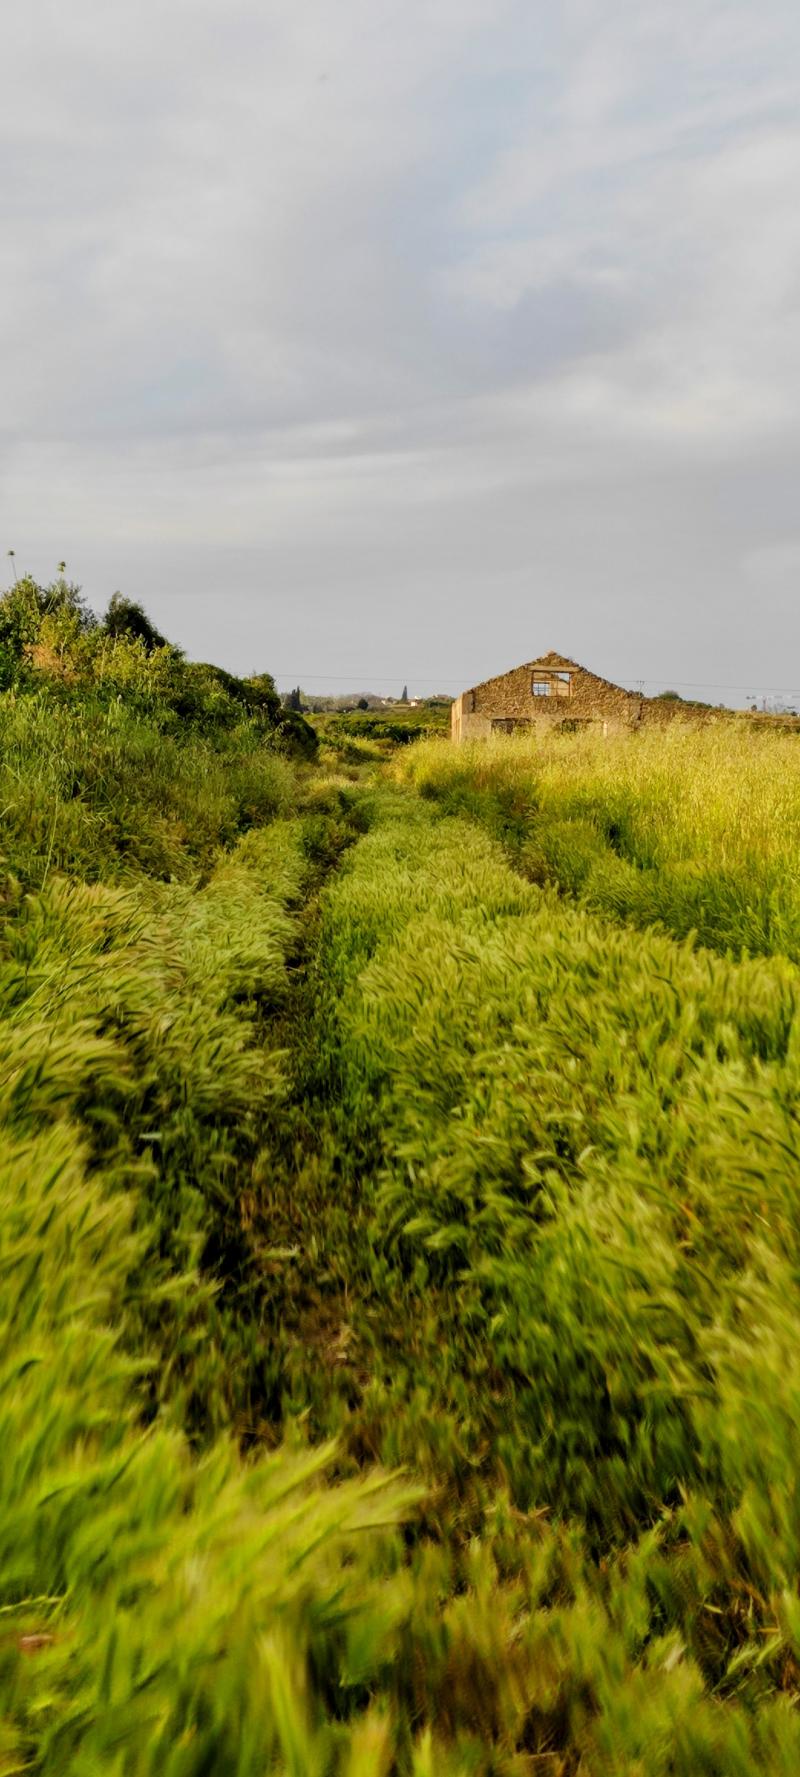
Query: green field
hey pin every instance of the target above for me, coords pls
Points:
(399, 1237)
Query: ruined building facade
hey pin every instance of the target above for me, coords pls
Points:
(549, 690)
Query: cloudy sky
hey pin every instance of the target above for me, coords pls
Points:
(401, 340)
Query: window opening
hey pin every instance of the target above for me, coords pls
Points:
(555, 684)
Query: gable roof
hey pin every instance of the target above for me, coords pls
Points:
(552, 663)
(555, 662)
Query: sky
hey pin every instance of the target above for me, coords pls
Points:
(383, 342)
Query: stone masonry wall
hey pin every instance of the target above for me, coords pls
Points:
(510, 697)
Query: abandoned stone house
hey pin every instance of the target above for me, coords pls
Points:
(550, 689)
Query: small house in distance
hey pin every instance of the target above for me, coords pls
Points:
(550, 689)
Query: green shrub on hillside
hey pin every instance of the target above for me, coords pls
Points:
(104, 792)
(50, 639)
(117, 755)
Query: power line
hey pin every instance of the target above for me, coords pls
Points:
(347, 678)
(709, 685)
(420, 673)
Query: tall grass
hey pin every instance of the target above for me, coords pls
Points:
(691, 829)
(333, 1111)
(164, 1605)
(104, 792)
(558, 1277)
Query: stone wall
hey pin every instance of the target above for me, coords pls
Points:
(507, 703)
(510, 698)
(464, 723)
(659, 712)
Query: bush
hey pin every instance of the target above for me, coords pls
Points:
(50, 638)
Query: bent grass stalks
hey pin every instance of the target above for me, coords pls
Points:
(576, 1247)
(500, 1189)
(689, 829)
(145, 1589)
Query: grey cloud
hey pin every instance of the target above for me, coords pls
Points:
(403, 339)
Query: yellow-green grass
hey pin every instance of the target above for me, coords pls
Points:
(367, 1112)
(554, 1250)
(690, 828)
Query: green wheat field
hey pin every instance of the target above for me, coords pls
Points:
(399, 1235)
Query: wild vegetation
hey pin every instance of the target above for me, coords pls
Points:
(384, 729)
(690, 829)
(399, 1237)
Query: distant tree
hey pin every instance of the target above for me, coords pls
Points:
(362, 704)
(125, 617)
(671, 696)
(294, 700)
(404, 698)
